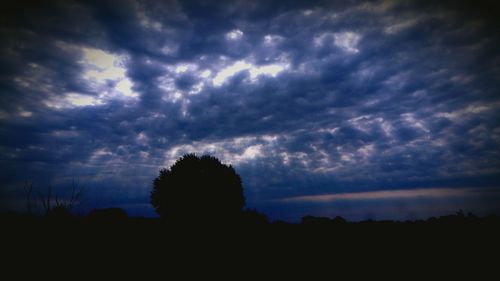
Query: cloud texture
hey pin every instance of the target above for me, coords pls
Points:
(304, 98)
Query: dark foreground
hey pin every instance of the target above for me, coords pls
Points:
(462, 242)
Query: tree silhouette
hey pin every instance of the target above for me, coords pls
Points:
(198, 189)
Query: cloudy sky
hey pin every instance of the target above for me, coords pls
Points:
(364, 109)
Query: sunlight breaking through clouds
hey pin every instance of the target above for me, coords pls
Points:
(102, 67)
(270, 70)
(235, 151)
(105, 73)
(71, 100)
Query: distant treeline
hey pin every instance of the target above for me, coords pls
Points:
(249, 217)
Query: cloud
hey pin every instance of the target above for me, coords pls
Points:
(304, 97)
(234, 34)
(347, 41)
(389, 194)
(255, 71)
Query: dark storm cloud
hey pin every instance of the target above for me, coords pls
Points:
(303, 97)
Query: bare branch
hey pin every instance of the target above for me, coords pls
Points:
(76, 193)
(42, 199)
(53, 200)
(49, 199)
(46, 200)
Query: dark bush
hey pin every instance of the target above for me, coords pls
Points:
(198, 189)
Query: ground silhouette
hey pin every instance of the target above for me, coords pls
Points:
(108, 215)
(202, 191)
(198, 190)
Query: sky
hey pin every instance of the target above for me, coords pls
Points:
(362, 109)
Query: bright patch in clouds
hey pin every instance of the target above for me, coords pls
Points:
(272, 70)
(101, 67)
(206, 73)
(252, 152)
(347, 41)
(234, 150)
(82, 100)
(105, 74)
(71, 100)
(183, 67)
(234, 34)
(255, 71)
(230, 71)
(125, 87)
(272, 39)
(100, 59)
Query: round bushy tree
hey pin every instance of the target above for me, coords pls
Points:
(198, 189)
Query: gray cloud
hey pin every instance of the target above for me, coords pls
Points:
(304, 98)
